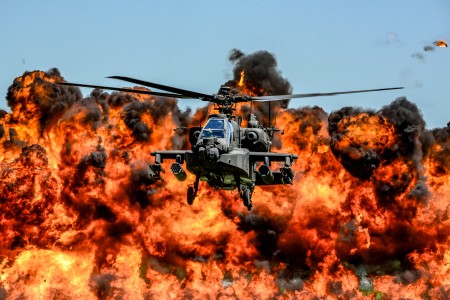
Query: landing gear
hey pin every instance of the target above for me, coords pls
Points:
(245, 192)
(192, 191)
(246, 196)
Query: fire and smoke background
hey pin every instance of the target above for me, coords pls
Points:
(367, 215)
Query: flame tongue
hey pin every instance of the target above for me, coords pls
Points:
(241, 80)
(80, 217)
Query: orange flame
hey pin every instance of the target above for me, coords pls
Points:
(241, 80)
(367, 215)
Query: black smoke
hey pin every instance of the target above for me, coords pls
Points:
(263, 78)
(261, 71)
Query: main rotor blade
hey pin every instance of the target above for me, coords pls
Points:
(286, 97)
(191, 94)
(124, 90)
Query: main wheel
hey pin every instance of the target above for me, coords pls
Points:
(190, 195)
(247, 198)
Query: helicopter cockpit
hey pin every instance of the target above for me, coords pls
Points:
(218, 128)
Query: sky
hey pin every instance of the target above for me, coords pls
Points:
(320, 46)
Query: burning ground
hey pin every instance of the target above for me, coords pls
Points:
(367, 215)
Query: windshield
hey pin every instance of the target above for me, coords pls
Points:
(213, 129)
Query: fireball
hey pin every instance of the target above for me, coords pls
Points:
(366, 217)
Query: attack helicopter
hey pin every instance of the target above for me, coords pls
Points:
(223, 152)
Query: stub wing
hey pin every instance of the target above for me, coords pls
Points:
(178, 155)
(265, 176)
(273, 156)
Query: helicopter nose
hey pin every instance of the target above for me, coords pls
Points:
(202, 153)
(208, 154)
(213, 154)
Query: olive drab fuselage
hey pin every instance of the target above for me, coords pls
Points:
(221, 151)
(226, 156)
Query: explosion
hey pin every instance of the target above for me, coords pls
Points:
(441, 43)
(366, 217)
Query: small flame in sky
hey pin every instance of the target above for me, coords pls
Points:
(241, 81)
(441, 43)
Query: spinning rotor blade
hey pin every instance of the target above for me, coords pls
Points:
(124, 90)
(286, 97)
(186, 93)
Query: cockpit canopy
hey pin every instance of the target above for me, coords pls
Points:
(218, 128)
(213, 129)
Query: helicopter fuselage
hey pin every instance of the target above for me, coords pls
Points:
(225, 155)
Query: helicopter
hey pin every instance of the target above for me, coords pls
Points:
(224, 153)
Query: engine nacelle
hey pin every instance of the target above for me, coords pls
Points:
(194, 134)
(255, 139)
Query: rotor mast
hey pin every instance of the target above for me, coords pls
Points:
(226, 100)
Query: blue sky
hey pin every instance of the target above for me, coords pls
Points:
(320, 46)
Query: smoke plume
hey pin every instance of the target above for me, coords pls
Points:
(80, 217)
(261, 77)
